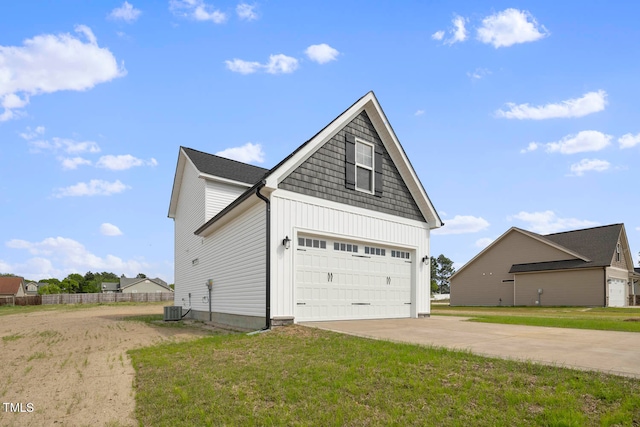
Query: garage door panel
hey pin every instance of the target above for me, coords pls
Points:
(349, 284)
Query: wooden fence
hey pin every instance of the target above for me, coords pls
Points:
(88, 298)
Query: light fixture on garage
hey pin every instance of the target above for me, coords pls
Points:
(425, 259)
(286, 242)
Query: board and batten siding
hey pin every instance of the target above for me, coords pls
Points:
(219, 195)
(583, 287)
(292, 213)
(487, 281)
(189, 215)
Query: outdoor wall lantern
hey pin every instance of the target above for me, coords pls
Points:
(286, 242)
(425, 259)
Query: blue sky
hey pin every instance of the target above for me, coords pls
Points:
(513, 113)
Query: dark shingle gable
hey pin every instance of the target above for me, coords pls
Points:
(596, 244)
(225, 168)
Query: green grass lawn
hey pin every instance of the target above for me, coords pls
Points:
(298, 376)
(606, 319)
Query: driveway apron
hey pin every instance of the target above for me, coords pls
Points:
(607, 351)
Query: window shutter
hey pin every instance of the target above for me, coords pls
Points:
(350, 163)
(378, 169)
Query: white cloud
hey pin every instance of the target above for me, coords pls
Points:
(548, 222)
(31, 134)
(321, 53)
(533, 146)
(509, 27)
(243, 67)
(462, 224)
(418, 113)
(587, 140)
(246, 12)
(629, 140)
(589, 165)
(64, 144)
(459, 32)
(107, 229)
(70, 163)
(479, 73)
(281, 64)
(49, 63)
(591, 102)
(438, 35)
(248, 153)
(60, 256)
(484, 242)
(198, 10)
(95, 187)
(126, 13)
(122, 162)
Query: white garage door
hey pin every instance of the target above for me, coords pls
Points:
(617, 294)
(345, 280)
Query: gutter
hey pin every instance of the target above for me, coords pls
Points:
(268, 255)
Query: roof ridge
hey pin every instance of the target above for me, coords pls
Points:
(582, 229)
(224, 158)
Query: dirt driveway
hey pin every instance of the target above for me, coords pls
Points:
(72, 366)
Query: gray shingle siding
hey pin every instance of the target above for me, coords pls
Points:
(323, 175)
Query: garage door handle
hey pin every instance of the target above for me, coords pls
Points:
(360, 303)
(407, 303)
(302, 303)
(329, 277)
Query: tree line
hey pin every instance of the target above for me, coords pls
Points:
(76, 283)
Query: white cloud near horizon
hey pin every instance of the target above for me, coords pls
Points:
(59, 256)
(589, 165)
(126, 13)
(108, 229)
(591, 102)
(548, 222)
(50, 63)
(67, 145)
(321, 53)
(418, 113)
(462, 224)
(458, 31)
(197, 10)
(629, 140)
(509, 27)
(243, 67)
(95, 187)
(246, 12)
(479, 73)
(72, 163)
(123, 162)
(247, 153)
(31, 134)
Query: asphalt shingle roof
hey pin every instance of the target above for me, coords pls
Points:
(10, 285)
(225, 168)
(597, 244)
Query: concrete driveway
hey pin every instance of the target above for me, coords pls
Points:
(612, 352)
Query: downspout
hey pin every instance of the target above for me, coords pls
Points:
(268, 256)
(604, 269)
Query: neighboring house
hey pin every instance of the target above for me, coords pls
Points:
(144, 285)
(31, 288)
(589, 267)
(11, 286)
(136, 285)
(339, 229)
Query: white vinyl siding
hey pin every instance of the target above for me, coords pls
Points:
(292, 213)
(234, 257)
(190, 214)
(219, 195)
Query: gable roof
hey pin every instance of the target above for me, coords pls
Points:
(10, 285)
(585, 248)
(224, 168)
(368, 103)
(125, 282)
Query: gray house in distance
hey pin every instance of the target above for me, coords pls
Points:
(588, 267)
